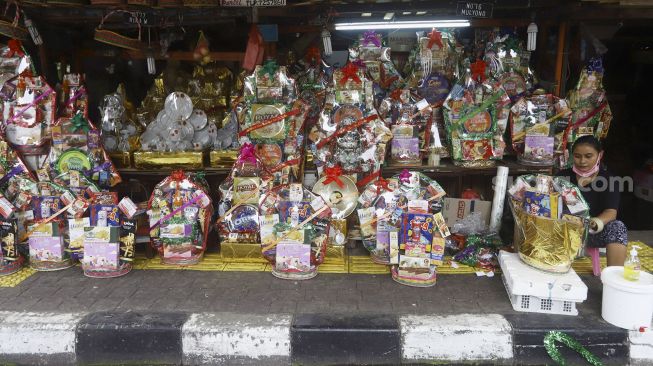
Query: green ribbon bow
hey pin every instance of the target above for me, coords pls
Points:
(80, 123)
(270, 67)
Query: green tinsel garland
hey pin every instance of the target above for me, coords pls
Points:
(569, 341)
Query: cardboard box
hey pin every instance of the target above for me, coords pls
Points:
(456, 209)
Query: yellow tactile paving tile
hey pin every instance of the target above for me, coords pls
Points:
(245, 267)
(15, 278)
(364, 265)
(345, 264)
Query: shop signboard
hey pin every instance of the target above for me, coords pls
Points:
(475, 9)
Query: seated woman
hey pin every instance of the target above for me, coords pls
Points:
(598, 190)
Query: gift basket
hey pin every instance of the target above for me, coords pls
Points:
(433, 66)
(294, 231)
(535, 122)
(180, 211)
(474, 115)
(551, 221)
(274, 121)
(415, 230)
(591, 114)
(105, 241)
(382, 207)
(349, 132)
(240, 194)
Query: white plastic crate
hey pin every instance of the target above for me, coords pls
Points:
(532, 290)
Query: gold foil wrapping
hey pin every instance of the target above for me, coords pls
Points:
(546, 244)
(223, 158)
(168, 160)
(242, 252)
(121, 159)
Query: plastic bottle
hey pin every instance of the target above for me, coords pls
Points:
(632, 265)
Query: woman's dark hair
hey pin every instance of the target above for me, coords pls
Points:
(588, 140)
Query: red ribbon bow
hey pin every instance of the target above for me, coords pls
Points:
(478, 70)
(15, 48)
(333, 175)
(247, 154)
(435, 37)
(382, 183)
(178, 175)
(349, 72)
(405, 175)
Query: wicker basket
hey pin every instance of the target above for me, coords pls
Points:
(118, 40)
(12, 29)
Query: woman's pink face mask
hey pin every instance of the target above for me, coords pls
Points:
(586, 161)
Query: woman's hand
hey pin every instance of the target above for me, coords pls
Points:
(596, 225)
(593, 225)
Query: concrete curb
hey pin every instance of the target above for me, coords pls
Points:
(306, 339)
(228, 339)
(465, 337)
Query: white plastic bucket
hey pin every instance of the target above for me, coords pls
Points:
(627, 304)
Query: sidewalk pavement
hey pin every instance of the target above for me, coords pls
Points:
(252, 318)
